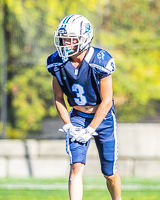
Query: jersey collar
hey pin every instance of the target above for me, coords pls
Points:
(89, 54)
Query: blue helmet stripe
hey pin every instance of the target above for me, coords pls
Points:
(68, 18)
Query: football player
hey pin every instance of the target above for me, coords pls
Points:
(83, 73)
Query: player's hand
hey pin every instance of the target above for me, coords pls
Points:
(71, 131)
(85, 134)
(74, 133)
(65, 127)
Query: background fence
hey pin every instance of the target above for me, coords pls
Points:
(139, 155)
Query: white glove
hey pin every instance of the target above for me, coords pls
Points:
(74, 133)
(65, 127)
(85, 134)
(71, 130)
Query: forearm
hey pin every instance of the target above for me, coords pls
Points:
(63, 112)
(106, 93)
(100, 114)
(59, 101)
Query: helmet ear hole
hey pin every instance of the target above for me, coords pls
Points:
(82, 39)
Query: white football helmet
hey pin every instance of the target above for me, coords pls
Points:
(73, 27)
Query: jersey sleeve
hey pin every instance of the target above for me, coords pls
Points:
(103, 64)
(50, 67)
(53, 62)
(108, 68)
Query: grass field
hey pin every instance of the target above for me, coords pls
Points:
(94, 189)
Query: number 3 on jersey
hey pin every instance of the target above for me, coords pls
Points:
(79, 90)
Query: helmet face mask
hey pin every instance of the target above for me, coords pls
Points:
(66, 50)
(75, 28)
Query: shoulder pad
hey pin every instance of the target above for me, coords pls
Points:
(53, 61)
(103, 62)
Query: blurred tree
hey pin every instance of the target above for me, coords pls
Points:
(30, 26)
(129, 30)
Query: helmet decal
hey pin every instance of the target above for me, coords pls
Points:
(88, 28)
(62, 30)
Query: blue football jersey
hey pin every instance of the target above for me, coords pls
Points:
(81, 85)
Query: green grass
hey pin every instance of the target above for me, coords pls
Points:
(94, 189)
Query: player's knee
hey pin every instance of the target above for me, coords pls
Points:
(77, 169)
(111, 178)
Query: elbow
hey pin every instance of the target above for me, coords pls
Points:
(59, 101)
